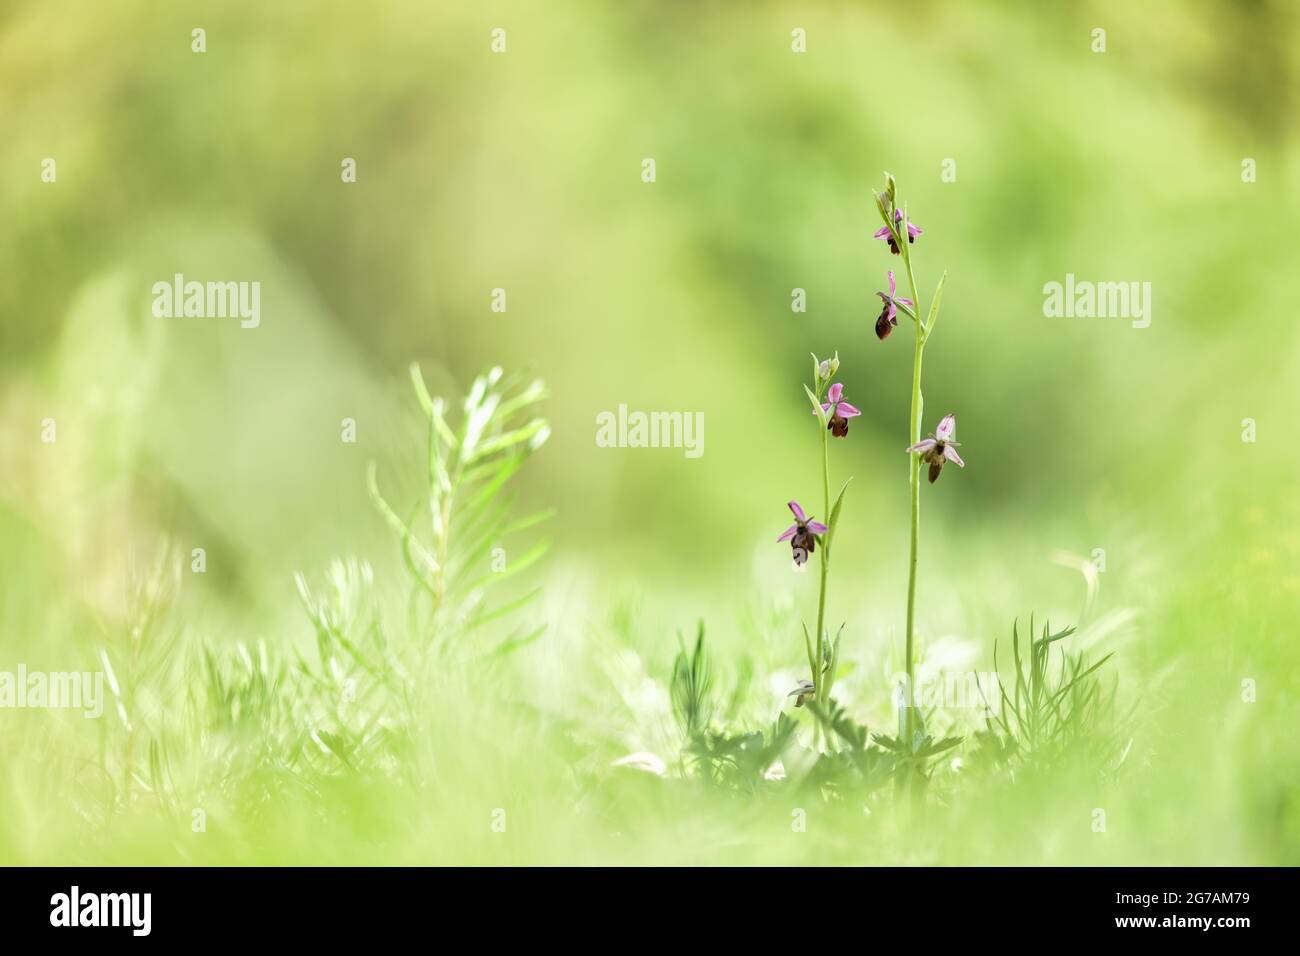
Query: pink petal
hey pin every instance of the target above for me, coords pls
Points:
(848, 411)
(826, 409)
(788, 533)
(925, 444)
(892, 286)
(796, 511)
(951, 454)
(816, 527)
(914, 230)
(835, 392)
(947, 429)
(907, 302)
(881, 233)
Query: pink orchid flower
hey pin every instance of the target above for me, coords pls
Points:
(802, 535)
(940, 448)
(889, 314)
(838, 412)
(884, 232)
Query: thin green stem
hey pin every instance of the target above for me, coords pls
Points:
(825, 565)
(914, 434)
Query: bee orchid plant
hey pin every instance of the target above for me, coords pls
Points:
(833, 413)
(901, 235)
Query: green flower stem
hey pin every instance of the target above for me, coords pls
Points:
(914, 433)
(825, 566)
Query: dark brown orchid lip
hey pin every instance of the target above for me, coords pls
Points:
(936, 458)
(884, 324)
(803, 543)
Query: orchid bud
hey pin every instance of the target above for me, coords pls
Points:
(824, 369)
(882, 204)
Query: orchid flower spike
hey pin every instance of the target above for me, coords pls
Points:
(804, 691)
(939, 448)
(889, 314)
(837, 411)
(884, 232)
(802, 535)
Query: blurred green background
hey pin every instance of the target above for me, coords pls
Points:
(522, 170)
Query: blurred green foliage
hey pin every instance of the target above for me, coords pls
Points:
(521, 171)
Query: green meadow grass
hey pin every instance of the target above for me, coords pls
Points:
(425, 727)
